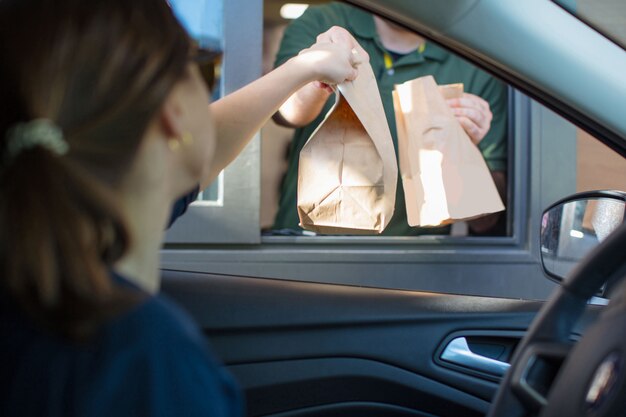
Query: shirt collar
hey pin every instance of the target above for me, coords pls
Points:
(435, 52)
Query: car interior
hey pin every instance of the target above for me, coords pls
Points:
(505, 326)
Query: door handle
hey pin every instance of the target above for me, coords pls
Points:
(458, 352)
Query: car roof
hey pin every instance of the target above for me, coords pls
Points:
(537, 47)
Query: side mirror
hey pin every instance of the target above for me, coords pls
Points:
(572, 227)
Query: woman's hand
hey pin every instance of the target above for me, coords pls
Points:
(334, 57)
(339, 35)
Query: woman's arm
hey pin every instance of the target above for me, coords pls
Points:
(302, 107)
(241, 114)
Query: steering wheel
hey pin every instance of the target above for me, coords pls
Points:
(550, 374)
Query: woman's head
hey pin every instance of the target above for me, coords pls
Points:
(97, 69)
(100, 71)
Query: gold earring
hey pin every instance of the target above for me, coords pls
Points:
(173, 144)
(187, 138)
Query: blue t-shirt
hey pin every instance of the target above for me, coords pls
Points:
(180, 206)
(149, 361)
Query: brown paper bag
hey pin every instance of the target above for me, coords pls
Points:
(348, 171)
(444, 175)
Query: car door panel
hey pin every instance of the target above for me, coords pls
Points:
(348, 385)
(297, 346)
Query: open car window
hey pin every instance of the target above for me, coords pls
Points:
(548, 159)
(285, 33)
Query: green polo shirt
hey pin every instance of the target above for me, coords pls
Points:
(432, 60)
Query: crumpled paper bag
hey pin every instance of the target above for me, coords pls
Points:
(347, 170)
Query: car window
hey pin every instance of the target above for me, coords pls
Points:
(606, 16)
(548, 159)
(260, 208)
(281, 146)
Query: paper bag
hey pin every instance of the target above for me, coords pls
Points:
(444, 175)
(347, 170)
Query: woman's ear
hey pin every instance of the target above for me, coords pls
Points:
(170, 117)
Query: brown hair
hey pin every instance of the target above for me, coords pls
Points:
(98, 69)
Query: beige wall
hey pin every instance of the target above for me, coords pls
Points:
(597, 166)
(274, 139)
(275, 142)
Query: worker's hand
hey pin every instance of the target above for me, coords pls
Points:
(474, 114)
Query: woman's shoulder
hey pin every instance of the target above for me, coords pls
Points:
(160, 339)
(157, 317)
(149, 360)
